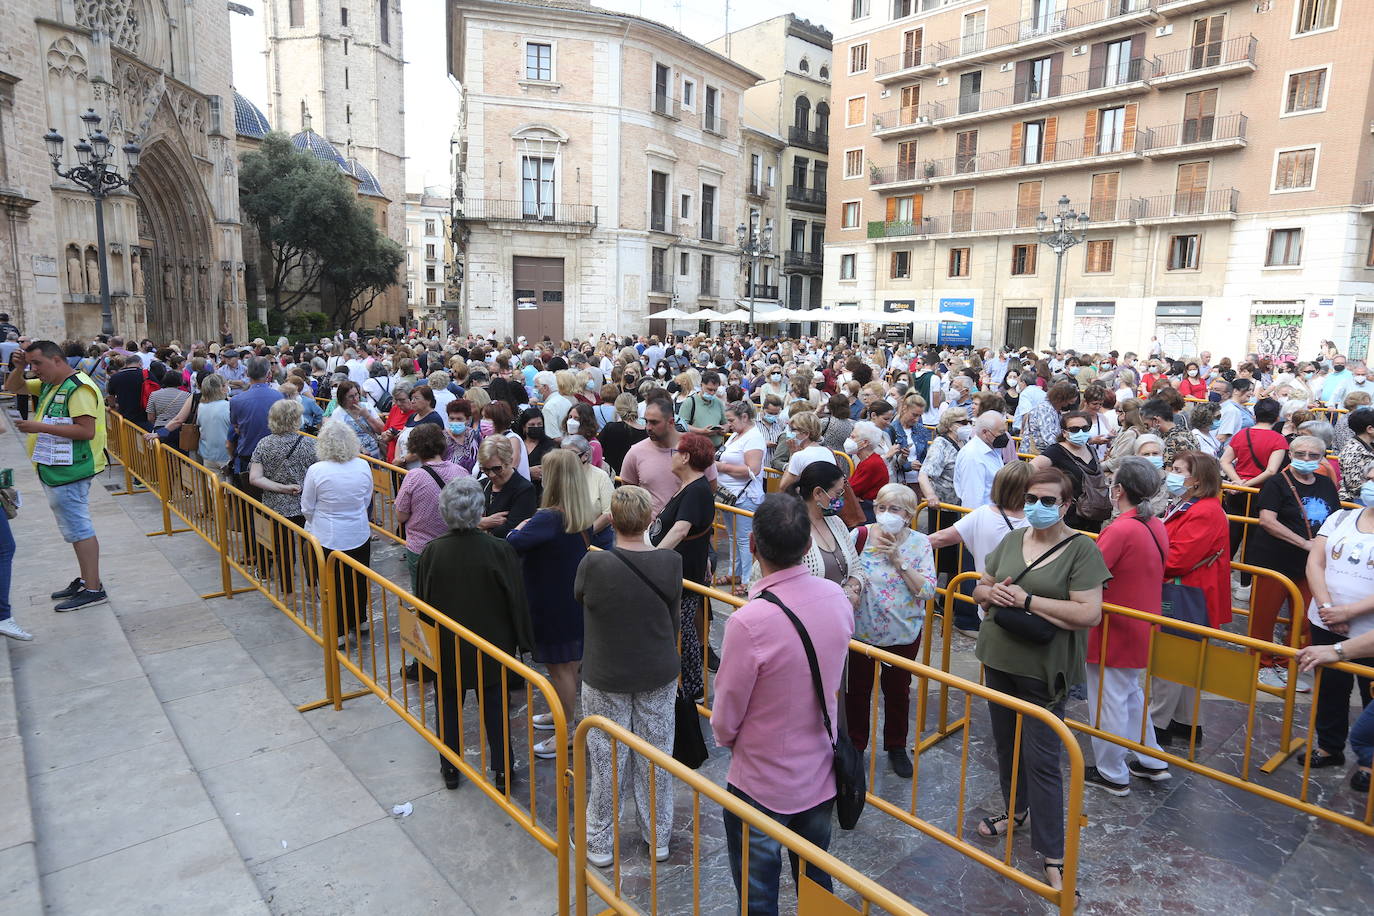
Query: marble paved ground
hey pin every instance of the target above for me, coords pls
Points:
(224, 768)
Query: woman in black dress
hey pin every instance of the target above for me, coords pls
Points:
(624, 431)
(530, 426)
(510, 498)
(1075, 457)
(684, 525)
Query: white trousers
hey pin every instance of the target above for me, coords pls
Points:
(1123, 711)
(650, 715)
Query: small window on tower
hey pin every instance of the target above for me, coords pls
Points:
(345, 77)
(383, 22)
(296, 13)
(348, 114)
(343, 15)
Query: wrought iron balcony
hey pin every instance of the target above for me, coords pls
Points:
(1206, 61)
(1188, 137)
(808, 197)
(764, 291)
(818, 140)
(914, 62)
(525, 211)
(714, 124)
(1051, 27)
(803, 260)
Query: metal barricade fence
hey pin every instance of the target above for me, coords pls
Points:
(284, 562)
(1226, 665)
(140, 458)
(386, 483)
(621, 897)
(929, 823)
(451, 660)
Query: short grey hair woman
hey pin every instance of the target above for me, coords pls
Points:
(475, 580)
(278, 467)
(335, 498)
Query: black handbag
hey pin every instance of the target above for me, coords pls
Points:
(1177, 601)
(851, 783)
(689, 745)
(1025, 625)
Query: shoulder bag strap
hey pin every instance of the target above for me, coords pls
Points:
(438, 481)
(1288, 479)
(642, 577)
(1046, 555)
(1151, 533)
(810, 658)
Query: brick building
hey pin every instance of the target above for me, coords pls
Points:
(173, 241)
(1221, 149)
(600, 169)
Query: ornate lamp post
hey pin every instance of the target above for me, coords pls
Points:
(754, 245)
(96, 174)
(1060, 232)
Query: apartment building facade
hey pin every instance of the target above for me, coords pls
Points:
(601, 169)
(1222, 151)
(427, 257)
(792, 102)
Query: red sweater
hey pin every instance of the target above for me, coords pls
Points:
(870, 476)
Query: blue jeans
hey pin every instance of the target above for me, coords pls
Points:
(1362, 737)
(6, 565)
(765, 853)
(738, 528)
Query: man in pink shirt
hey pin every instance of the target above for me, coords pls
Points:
(649, 462)
(765, 707)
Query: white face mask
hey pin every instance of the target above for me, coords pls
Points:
(851, 447)
(572, 426)
(965, 433)
(890, 522)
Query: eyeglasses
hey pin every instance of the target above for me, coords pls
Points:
(493, 469)
(1047, 501)
(1307, 456)
(1075, 429)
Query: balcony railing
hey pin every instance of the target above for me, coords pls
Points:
(1063, 151)
(658, 282)
(764, 291)
(802, 259)
(1364, 193)
(1205, 56)
(1220, 202)
(990, 101)
(714, 233)
(1039, 29)
(818, 140)
(756, 187)
(801, 195)
(1217, 202)
(907, 60)
(1197, 130)
(714, 124)
(666, 105)
(921, 115)
(524, 211)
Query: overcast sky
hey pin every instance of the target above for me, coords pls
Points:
(431, 102)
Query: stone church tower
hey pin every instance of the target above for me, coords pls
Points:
(337, 68)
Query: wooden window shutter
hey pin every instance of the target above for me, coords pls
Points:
(1027, 202)
(1090, 132)
(1128, 129)
(1051, 138)
(1105, 187)
(1056, 72)
(1190, 191)
(1018, 133)
(917, 207)
(1097, 66)
(1021, 84)
(1137, 51)
(963, 210)
(891, 209)
(1031, 252)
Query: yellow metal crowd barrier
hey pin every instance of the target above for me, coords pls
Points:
(452, 660)
(812, 898)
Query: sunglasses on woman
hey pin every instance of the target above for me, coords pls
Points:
(1048, 502)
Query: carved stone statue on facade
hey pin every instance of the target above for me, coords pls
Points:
(76, 278)
(92, 272)
(136, 271)
(238, 286)
(188, 288)
(169, 284)
(203, 282)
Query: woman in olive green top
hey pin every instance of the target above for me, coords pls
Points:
(1056, 574)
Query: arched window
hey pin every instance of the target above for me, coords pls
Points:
(825, 72)
(804, 66)
(823, 118)
(384, 21)
(801, 117)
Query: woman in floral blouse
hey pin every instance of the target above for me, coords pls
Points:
(900, 568)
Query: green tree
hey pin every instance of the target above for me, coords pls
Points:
(314, 229)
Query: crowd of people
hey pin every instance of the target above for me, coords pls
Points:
(899, 468)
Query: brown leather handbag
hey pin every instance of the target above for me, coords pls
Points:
(188, 436)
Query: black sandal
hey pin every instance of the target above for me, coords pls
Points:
(1059, 865)
(988, 826)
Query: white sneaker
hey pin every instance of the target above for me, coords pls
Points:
(1304, 683)
(600, 860)
(1240, 592)
(546, 749)
(661, 854)
(1274, 677)
(13, 630)
(542, 722)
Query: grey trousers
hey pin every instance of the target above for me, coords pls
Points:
(1171, 702)
(1039, 787)
(650, 715)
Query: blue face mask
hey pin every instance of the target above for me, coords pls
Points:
(1080, 438)
(1175, 483)
(1306, 466)
(1073, 370)
(1156, 460)
(458, 427)
(1041, 516)
(707, 397)
(1367, 493)
(1216, 425)
(770, 418)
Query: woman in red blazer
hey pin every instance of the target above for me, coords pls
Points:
(1192, 385)
(1199, 555)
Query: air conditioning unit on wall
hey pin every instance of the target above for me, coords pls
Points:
(1164, 30)
(1008, 67)
(942, 81)
(1080, 50)
(885, 93)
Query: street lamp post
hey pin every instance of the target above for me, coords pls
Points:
(95, 174)
(754, 245)
(1060, 232)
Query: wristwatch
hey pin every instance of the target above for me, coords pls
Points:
(1027, 604)
(1324, 605)
(1340, 651)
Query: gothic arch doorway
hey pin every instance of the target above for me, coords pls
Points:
(179, 271)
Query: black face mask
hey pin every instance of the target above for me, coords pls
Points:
(1001, 441)
(1215, 397)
